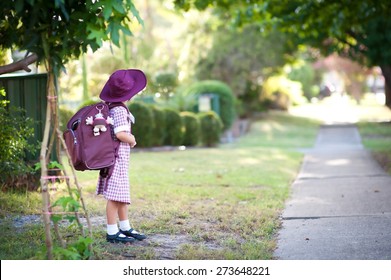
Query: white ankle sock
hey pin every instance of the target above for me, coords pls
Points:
(124, 225)
(112, 229)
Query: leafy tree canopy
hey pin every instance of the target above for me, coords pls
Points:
(58, 30)
(356, 29)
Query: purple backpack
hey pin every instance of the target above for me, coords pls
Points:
(89, 138)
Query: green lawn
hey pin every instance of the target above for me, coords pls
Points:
(197, 203)
(376, 136)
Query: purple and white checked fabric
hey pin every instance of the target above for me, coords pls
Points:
(117, 187)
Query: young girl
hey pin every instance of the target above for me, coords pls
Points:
(121, 86)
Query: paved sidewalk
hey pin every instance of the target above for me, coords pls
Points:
(340, 208)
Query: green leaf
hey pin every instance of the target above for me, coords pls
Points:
(125, 30)
(107, 11)
(117, 5)
(136, 13)
(19, 4)
(114, 32)
(56, 218)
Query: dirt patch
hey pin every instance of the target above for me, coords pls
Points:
(156, 246)
(165, 246)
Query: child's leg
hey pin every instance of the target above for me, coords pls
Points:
(111, 212)
(113, 233)
(124, 224)
(123, 216)
(122, 211)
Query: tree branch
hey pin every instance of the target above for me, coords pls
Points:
(19, 65)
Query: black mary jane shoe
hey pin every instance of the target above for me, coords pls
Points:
(130, 233)
(116, 238)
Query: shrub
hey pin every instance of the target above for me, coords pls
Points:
(144, 125)
(192, 129)
(64, 116)
(14, 138)
(89, 102)
(226, 98)
(174, 128)
(211, 128)
(165, 82)
(280, 92)
(159, 130)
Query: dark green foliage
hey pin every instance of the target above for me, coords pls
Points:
(211, 128)
(79, 250)
(174, 128)
(226, 98)
(61, 30)
(89, 102)
(159, 130)
(192, 129)
(64, 116)
(304, 74)
(143, 128)
(165, 82)
(249, 101)
(14, 138)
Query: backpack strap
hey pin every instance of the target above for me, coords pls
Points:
(115, 104)
(107, 171)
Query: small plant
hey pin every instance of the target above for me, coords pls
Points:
(79, 250)
(69, 205)
(51, 165)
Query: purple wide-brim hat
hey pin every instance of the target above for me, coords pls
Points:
(123, 85)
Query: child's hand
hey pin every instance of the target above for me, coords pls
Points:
(126, 138)
(132, 142)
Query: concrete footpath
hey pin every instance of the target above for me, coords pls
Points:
(340, 207)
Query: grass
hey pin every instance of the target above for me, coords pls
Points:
(198, 203)
(376, 136)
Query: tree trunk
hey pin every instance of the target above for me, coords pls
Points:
(386, 70)
(43, 161)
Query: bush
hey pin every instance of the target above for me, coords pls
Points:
(211, 128)
(226, 98)
(165, 82)
(159, 130)
(144, 125)
(64, 116)
(192, 129)
(280, 93)
(174, 128)
(89, 102)
(14, 138)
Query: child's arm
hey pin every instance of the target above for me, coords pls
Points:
(126, 138)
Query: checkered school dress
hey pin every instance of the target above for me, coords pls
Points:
(117, 187)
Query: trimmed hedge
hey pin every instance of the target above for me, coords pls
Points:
(211, 128)
(144, 125)
(192, 129)
(159, 131)
(226, 98)
(174, 128)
